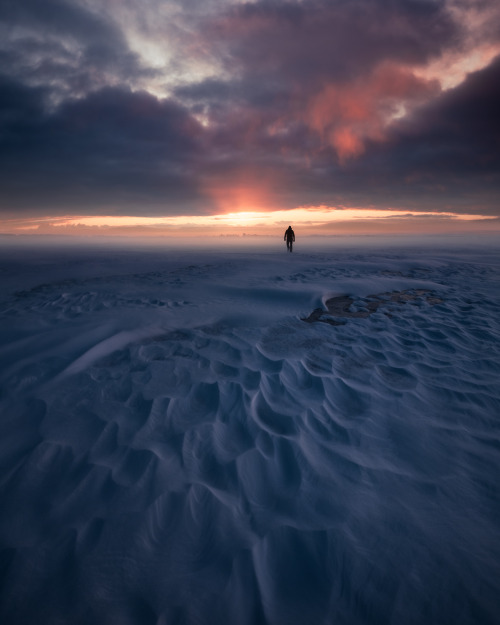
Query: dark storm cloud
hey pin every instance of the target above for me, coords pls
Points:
(113, 149)
(318, 40)
(297, 95)
(337, 68)
(65, 46)
(313, 85)
(109, 150)
(449, 148)
(58, 17)
(460, 130)
(445, 156)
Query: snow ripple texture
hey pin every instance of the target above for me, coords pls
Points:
(178, 447)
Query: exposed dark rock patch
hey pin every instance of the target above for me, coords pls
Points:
(343, 307)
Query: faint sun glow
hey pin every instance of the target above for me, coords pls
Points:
(315, 220)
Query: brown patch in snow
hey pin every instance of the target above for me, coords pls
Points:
(341, 307)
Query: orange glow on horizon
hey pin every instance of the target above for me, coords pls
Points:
(312, 216)
(310, 220)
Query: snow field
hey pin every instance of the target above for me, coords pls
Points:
(178, 446)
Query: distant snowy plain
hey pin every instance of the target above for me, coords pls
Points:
(179, 447)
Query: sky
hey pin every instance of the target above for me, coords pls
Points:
(232, 117)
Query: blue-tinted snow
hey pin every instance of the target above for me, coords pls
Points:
(177, 446)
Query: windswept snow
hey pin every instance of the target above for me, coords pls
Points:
(178, 446)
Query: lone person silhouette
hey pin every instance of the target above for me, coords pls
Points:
(289, 238)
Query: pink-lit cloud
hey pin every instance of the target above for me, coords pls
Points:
(160, 109)
(346, 115)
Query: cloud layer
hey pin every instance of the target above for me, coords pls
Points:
(158, 109)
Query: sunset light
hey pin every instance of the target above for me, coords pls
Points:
(307, 220)
(249, 312)
(236, 117)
